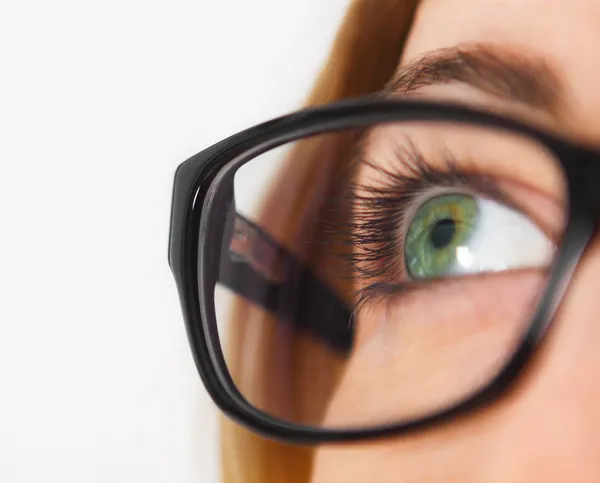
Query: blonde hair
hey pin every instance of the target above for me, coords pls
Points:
(364, 56)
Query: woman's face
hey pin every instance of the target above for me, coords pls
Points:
(548, 427)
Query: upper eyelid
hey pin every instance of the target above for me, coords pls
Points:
(471, 179)
(424, 176)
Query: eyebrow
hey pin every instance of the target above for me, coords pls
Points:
(499, 72)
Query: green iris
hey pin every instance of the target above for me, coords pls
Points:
(439, 226)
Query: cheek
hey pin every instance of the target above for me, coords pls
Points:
(430, 349)
(546, 429)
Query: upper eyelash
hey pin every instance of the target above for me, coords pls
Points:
(377, 212)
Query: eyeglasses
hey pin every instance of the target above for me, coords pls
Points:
(375, 267)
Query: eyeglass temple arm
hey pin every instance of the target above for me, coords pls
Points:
(255, 267)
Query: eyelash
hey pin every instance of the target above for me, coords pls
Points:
(377, 213)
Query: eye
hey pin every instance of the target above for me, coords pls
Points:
(457, 234)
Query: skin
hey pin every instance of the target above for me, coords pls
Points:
(548, 427)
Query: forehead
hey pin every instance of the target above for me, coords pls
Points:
(563, 33)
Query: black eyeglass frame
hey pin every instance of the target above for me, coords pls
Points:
(193, 214)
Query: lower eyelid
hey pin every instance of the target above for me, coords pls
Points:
(449, 307)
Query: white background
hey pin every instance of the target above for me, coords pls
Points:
(99, 102)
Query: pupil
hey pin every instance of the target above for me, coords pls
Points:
(443, 233)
